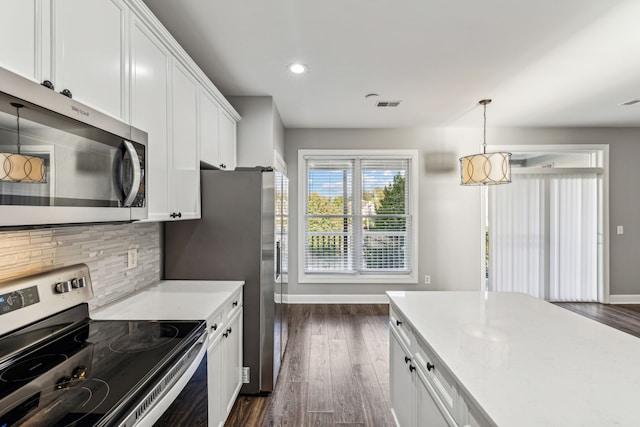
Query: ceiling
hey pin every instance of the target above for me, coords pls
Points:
(543, 62)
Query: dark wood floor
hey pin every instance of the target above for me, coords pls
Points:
(335, 371)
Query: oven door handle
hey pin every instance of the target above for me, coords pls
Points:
(162, 404)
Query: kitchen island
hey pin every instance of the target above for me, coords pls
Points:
(507, 359)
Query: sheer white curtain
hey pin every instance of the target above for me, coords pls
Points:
(543, 232)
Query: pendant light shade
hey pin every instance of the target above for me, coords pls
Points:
(17, 167)
(485, 168)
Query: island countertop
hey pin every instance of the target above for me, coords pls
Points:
(526, 362)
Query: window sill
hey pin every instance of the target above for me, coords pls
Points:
(357, 280)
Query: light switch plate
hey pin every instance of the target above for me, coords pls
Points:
(132, 258)
(620, 229)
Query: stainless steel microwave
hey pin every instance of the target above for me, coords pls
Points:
(62, 162)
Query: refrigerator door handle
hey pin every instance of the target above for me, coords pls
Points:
(278, 259)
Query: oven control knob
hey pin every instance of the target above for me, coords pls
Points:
(79, 282)
(80, 373)
(63, 287)
(63, 383)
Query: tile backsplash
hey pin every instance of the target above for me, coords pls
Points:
(102, 247)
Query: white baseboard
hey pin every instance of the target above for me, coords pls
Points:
(336, 299)
(624, 299)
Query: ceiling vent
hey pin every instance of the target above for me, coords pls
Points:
(631, 102)
(387, 103)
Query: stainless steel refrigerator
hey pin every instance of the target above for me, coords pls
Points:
(242, 235)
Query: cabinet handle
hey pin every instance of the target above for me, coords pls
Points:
(229, 330)
(407, 359)
(226, 334)
(235, 303)
(179, 214)
(398, 323)
(48, 84)
(176, 215)
(430, 367)
(412, 368)
(67, 93)
(214, 327)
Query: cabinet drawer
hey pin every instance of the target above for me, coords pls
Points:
(401, 326)
(440, 379)
(215, 324)
(234, 305)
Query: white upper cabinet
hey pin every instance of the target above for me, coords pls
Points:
(89, 52)
(209, 129)
(217, 134)
(227, 147)
(77, 45)
(20, 38)
(150, 85)
(184, 153)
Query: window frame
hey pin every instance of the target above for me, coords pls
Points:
(411, 277)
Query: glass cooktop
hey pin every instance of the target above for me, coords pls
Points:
(91, 374)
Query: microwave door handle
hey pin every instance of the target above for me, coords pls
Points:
(137, 174)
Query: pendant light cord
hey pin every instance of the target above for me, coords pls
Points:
(18, 107)
(18, 126)
(484, 103)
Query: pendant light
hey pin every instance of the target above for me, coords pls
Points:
(485, 168)
(17, 167)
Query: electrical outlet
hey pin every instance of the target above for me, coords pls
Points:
(132, 258)
(245, 375)
(427, 279)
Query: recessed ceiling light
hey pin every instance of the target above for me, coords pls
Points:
(298, 68)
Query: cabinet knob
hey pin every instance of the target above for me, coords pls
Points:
(179, 214)
(407, 359)
(48, 84)
(235, 303)
(430, 367)
(228, 330)
(214, 327)
(226, 334)
(67, 93)
(412, 368)
(398, 322)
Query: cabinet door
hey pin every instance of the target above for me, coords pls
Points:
(89, 52)
(401, 385)
(184, 197)
(214, 383)
(428, 413)
(208, 127)
(20, 42)
(149, 112)
(227, 141)
(233, 362)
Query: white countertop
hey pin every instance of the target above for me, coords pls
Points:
(170, 300)
(527, 362)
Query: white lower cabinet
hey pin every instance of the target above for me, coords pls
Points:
(402, 389)
(423, 392)
(224, 361)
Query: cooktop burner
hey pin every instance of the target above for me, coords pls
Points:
(79, 376)
(31, 367)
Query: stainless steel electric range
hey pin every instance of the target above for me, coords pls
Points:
(60, 368)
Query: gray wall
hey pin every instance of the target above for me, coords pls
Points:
(449, 215)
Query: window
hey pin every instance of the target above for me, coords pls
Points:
(357, 216)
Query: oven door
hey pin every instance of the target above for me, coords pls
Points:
(183, 383)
